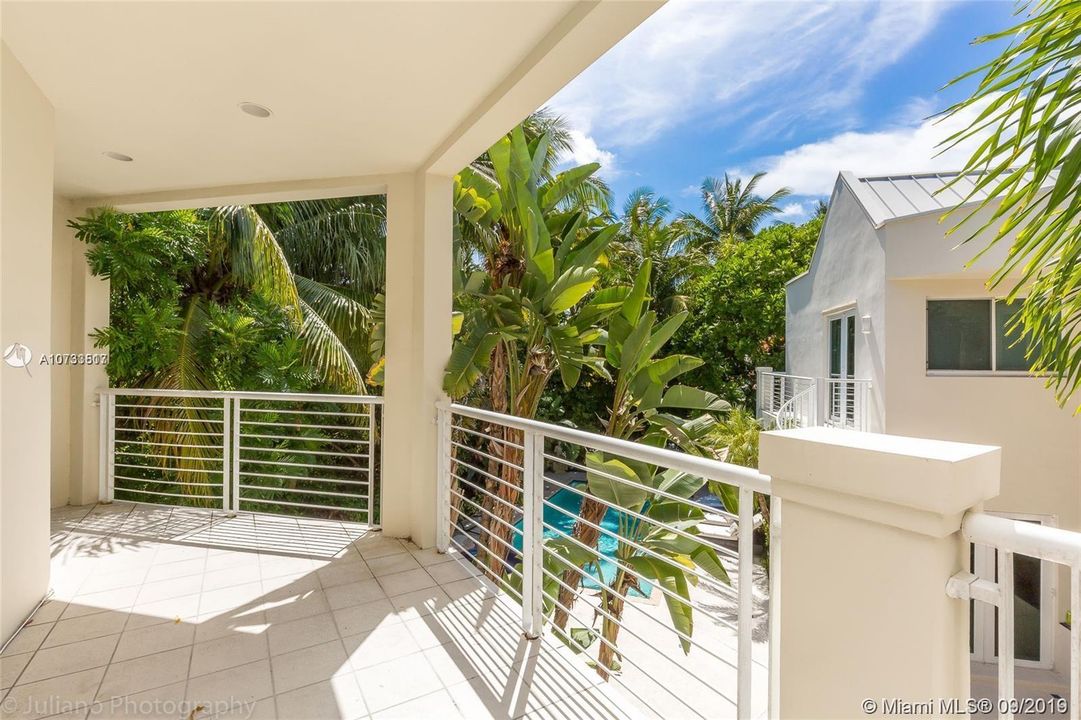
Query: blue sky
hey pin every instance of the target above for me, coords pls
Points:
(798, 89)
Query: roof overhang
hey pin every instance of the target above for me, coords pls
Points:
(359, 90)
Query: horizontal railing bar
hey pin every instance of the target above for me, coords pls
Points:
(175, 456)
(306, 438)
(349, 468)
(167, 482)
(244, 423)
(276, 411)
(640, 548)
(487, 436)
(244, 395)
(707, 468)
(301, 490)
(174, 495)
(463, 498)
(306, 452)
(363, 511)
(490, 534)
(485, 473)
(493, 496)
(645, 518)
(655, 491)
(169, 469)
(304, 478)
(167, 432)
(599, 609)
(175, 445)
(493, 458)
(485, 569)
(629, 571)
(779, 375)
(185, 408)
(169, 419)
(622, 655)
(1024, 538)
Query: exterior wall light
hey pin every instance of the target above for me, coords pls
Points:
(865, 324)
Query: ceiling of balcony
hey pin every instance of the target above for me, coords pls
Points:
(356, 88)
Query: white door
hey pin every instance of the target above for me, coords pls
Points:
(840, 394)
(1033, 611)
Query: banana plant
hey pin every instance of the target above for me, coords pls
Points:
(647, 407)
(532, 311)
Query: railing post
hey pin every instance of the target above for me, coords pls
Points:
(760, 390)
(103, 447)
(226, 465)
(745, 589)
(371, 464)
(234, 457)
(444, 448)
(871, 537)
(1005, 631)
(533, 535)
(110, 449)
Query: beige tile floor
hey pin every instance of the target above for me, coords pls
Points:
(163, 612)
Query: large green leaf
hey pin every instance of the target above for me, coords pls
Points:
(680, 484)
(627, 492)
(570, 288)
(685, 396)
(567, 346)
(564, 184)
(632, 306)
(673, 579)
(469, 359)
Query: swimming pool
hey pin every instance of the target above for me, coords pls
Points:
(571, 501)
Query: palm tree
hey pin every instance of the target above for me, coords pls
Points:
(647, 235)
(1024, 179)
(732, 210)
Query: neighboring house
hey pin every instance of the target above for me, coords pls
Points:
(889, 331)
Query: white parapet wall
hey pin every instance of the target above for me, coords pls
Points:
(870, 534)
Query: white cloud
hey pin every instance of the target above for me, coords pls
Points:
(709, 62)
(792, 211)
(587, 151)
(811, 169)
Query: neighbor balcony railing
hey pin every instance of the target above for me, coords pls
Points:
(511, 493)
(1017, 537)
(287, 453)
(791, 401)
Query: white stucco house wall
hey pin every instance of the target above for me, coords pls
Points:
(927, 334)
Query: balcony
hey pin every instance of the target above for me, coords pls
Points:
(794, 401)
(187, 604)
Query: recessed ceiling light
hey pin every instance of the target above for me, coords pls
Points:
(255, 109)
(113, 155)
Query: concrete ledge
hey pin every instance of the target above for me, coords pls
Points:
(915, 484)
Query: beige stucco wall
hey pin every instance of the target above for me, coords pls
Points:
(26, 222)
(1041, 442)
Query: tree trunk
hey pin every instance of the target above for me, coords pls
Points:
(613, 605)
(592, 511)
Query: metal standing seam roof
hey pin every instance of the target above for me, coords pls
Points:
(892, 197)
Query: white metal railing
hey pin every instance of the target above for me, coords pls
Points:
(801, 410)
(790, 401)
(1015, 537)
(293, 453)
(775, 389)
(502, 503)
(847, 403)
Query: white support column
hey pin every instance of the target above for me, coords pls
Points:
(871, 537)
(418, 341)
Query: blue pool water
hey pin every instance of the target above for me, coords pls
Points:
(564, 522)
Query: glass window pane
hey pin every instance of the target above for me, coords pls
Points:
(1009, 350)
(850, 346)
(1026, 608)
(958, 334)
(835, 348)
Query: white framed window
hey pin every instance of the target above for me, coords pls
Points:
(975, 336)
